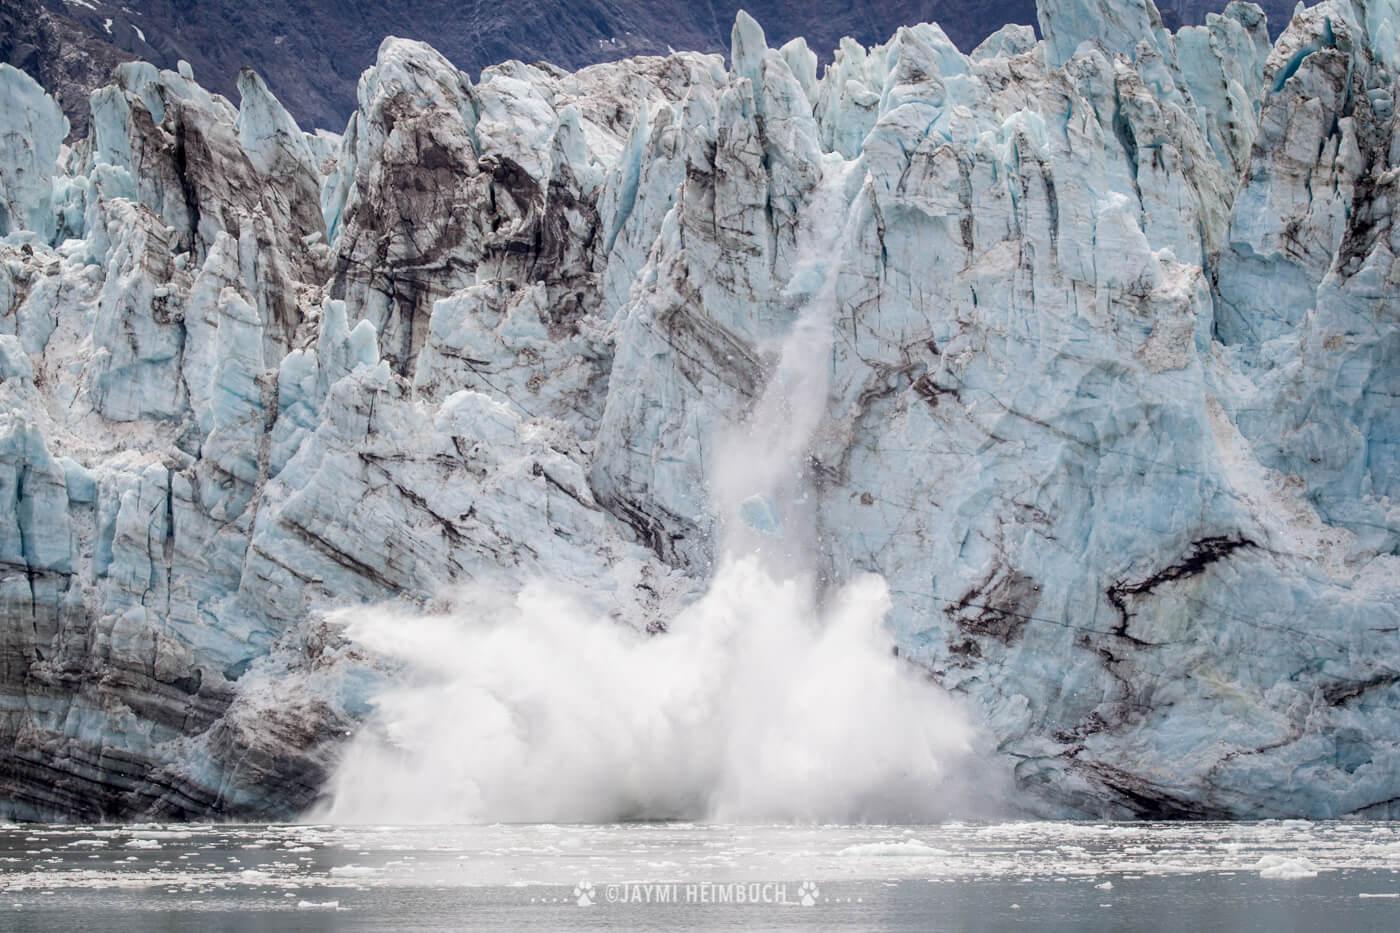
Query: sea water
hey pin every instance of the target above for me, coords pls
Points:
(1342, 877)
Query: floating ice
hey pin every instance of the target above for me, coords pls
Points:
(904, 847)
(1284, 868)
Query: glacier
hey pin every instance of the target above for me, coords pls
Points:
(1109, 392)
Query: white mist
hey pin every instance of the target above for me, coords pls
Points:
(766, 699)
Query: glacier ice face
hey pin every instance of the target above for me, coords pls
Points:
(32, 129)
(1110, 398)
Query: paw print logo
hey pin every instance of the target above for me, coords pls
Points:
(808, 893)
(583, 894)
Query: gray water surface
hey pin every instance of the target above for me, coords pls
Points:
(1276, 876)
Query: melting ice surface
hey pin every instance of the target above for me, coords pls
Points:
(1345, 877)
(767, 698)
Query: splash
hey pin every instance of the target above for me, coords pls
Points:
(766, 699)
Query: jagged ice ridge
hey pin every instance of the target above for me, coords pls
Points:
(1112, 401)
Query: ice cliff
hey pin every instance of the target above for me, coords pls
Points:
(1111, 406)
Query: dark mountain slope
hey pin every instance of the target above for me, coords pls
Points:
(312, 51)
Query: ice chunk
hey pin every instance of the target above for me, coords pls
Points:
(32, 128)
(1283, 868)
(758, 514)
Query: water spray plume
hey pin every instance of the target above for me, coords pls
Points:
(766, 699)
